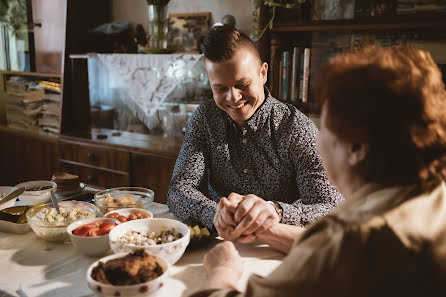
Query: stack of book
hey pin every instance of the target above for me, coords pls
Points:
(289, 81)
(31, 106)
(420, 6)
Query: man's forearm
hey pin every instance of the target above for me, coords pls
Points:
(281, 236)
(192, 206)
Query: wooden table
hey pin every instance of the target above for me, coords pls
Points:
(32, 267)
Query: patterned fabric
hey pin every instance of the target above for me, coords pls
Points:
(272, 156)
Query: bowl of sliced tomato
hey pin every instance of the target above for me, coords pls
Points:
(90, 236)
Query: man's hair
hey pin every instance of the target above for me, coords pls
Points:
(394, 100)
(220, 43)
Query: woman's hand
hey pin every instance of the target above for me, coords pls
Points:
(223, 265)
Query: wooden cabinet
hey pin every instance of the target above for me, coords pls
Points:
(108, 159)
(26, 156)
(153, 172)
(96, 166)
(94, 156)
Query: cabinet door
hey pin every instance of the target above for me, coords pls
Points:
(49, 34)
(96, 177)
(153, 172)
(25, 158)
(94, 156)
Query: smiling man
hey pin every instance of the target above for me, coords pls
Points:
(248, 148)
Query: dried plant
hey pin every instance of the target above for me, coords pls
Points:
(273, 4)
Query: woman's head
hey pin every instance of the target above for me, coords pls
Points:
(389, 103)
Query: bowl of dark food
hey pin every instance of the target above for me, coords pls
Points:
(134, 274)
(37, 191)
(161, 237)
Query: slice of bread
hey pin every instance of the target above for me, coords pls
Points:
(65, 181)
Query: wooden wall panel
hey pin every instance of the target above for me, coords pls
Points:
(24, 157)
(152, 172)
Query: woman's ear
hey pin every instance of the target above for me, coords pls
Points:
(357, 153)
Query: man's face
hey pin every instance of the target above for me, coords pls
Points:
(237, 84)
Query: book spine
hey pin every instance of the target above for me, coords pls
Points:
(273, 71)
(280, 79)
(295, 75)
(285, 75)
(306, 74)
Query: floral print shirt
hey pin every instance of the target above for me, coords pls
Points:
(273, 155)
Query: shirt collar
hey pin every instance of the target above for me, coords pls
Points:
(260, 116)
(371, 200)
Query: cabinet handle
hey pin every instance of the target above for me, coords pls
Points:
(37, 25)
(92, 158)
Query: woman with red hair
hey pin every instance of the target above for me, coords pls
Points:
(383, 145)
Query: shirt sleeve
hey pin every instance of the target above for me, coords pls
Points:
(184, 198)
(317, 265)
(316, 194)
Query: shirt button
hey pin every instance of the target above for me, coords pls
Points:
(244, 140)
(245, 171)
(254, 128)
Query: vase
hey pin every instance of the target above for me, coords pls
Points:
(158, 26)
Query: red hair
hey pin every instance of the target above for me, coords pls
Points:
(394, 100)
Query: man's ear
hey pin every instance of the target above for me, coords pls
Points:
(357, 153)
(264, 72)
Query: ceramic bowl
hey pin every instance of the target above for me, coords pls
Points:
(127, 211)
(32, 196)
(150, 288)
(90, 246)
(5, 190)
(171, 251)
(141, 197)
(56, 231)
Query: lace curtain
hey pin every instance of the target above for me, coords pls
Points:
(143, 83)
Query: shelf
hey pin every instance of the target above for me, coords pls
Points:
(33, 74)
(396, 23)
(126, 141)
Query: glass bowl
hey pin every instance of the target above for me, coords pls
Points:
(124, 197)
(56, 230)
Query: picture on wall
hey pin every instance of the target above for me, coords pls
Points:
(185, 30)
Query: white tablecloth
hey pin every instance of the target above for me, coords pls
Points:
(32, 267)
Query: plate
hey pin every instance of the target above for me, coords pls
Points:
(71, 192)
(157, 209)
(10, 227)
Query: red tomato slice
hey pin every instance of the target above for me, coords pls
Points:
(93, 232)
(81, 231)
(106, 228)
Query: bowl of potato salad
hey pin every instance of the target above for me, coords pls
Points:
(52, 226)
